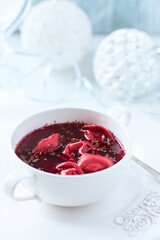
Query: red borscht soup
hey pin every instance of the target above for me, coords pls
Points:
(70, 148)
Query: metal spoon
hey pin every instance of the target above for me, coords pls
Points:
(150, 170)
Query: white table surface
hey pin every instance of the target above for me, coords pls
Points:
(15, 106)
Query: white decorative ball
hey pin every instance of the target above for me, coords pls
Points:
(57, 27)
(125, 64)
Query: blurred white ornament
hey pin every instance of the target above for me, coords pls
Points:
(57, 27)
(125, 65)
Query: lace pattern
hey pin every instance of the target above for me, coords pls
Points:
(141, 217)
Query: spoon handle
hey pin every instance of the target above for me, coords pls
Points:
(150, 170)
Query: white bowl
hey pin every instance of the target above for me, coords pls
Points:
(75, 190)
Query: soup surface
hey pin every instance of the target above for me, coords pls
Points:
(70, 148)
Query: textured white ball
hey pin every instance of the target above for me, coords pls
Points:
(59, 27)
(124, 64)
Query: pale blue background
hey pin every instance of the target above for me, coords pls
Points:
(108, 15)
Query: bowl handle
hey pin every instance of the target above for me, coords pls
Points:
(121, 114)
(15, 178)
